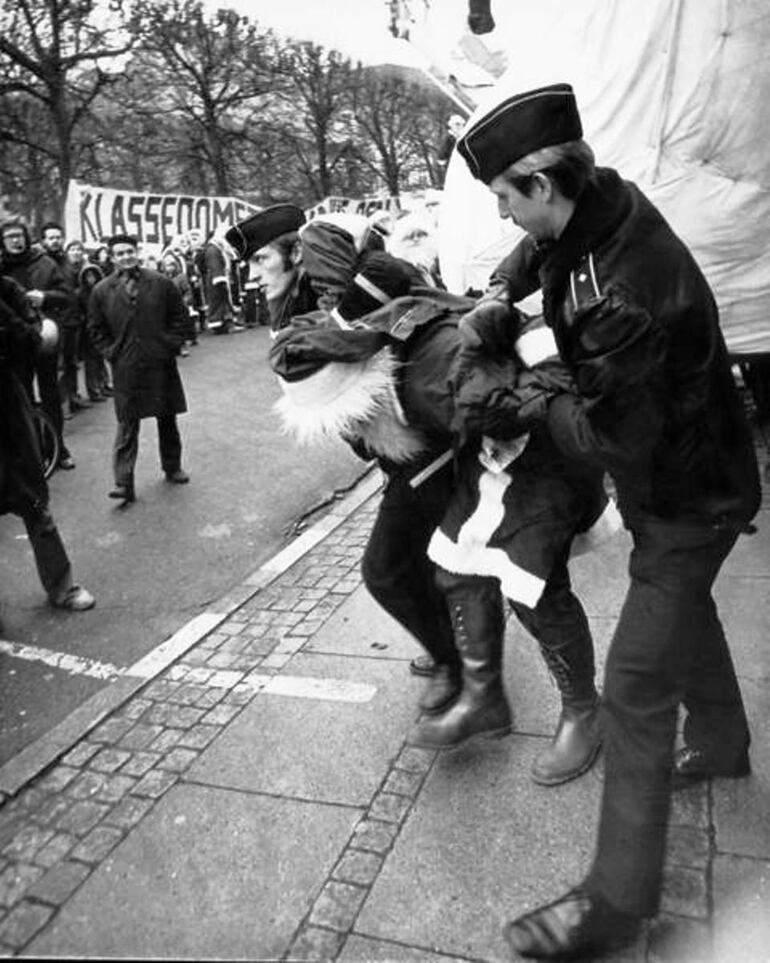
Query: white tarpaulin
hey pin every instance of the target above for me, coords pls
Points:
(675, 94)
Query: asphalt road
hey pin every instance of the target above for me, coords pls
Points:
(157, 563)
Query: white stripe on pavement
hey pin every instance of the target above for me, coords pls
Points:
(73, 664)
(298, 687)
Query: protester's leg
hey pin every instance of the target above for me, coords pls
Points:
(124, 453)
(68, 380)
(559, 624)
(398, 574)
(51, 559)
(169, 444)
(476, 609)
(50, 399)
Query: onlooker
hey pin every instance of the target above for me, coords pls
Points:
(655, 406)
(23, 489)
(136, 319)
(216, 282)
(103, 259)
(71, 331)
(42, 279)
(98, 384)
(173, 268)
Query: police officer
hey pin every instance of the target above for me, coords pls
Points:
(637, 326)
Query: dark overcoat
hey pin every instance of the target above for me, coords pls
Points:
(140, 339)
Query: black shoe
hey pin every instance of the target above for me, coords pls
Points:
(66, 462)
(576, 926)
(692, 766)
(79, 404)
(177, 477)
(108, 391)
(422, 665)
(124, 493)
(97, 398)
(442, 689)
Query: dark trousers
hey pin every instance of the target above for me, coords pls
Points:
(69, 351)
(396, 568)
(44, 371)
(126, 448)
(668, 647)
(53, 566)
(559, 624)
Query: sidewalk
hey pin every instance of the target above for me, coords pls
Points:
(258, 801)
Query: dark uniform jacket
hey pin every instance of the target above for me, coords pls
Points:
(22, 484)
(637, 325)
(141, 341)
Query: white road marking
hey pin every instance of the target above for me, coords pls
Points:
(73, 664)
(298, 687)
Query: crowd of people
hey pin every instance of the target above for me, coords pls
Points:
(496, 433)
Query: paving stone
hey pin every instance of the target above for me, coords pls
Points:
(129, 812)
(198, 737)
(178, 760)
(82, 817)
(140, 763)
(389, 807)
(166, 740)
(403, 783)
(374, 836)
(51, 810)
(55, 850)
(59, 883)
(115, 788)
(160, 690)
(23, 922)
(87, 785)
(187, 694)
(175, 673)
(57, 779)
(238, 696)
(82, 752)
(413, 759)
(97, 844)
(179, 717)
(689, 807)
(108, 760)
(221, 660)
(154, 784)
(140, 736)
(220, 715)
(358, 867)
(16, 880)
(316, 945)
(685, 892)
(199, 674)
(675, 939)
(27, 841)
(687, 846)
(135, 708)
(337, 905)
(210, 698)
(111, 731)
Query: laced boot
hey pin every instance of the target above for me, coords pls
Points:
(482, 708)
(577, 740)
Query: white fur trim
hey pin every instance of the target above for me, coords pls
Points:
(609, 523)
(536, 345)
(352, 401)
(516, 583)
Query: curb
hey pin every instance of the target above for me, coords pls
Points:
(39, 755)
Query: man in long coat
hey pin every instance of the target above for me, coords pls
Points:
(136, 319)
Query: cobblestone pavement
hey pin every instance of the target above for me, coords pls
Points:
(58, 830)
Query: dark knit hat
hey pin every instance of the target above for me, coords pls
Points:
(248, 236)
(519, 126)
(379, 278)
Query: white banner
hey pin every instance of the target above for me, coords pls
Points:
(92, 214)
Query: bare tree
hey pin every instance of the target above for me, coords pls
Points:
(213, 68)
(53, 55)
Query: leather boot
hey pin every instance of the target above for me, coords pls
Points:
(441, 689)
(482, 708)
(577, 740)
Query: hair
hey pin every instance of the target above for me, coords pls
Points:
(285, 244)
(51, 226)
(15, 223)
(123, 239)
(570, 166)
(71, 244)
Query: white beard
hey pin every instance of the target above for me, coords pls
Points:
(352, 401)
